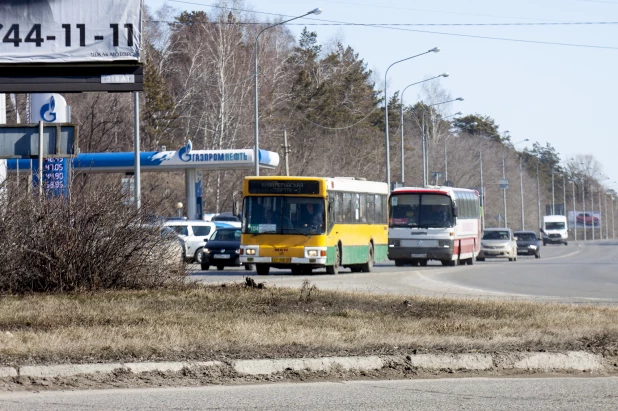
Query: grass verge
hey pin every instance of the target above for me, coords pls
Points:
(236, 322)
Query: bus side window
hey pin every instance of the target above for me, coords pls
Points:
(363, 208)
(348, 212)
(371, 209)
(379, 212)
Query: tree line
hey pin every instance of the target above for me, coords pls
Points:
(199, 86)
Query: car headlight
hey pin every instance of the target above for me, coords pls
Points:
(393, 242)
(205, 250)
(532, 246)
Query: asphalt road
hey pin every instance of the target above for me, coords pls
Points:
(435, 394)
(579, 272)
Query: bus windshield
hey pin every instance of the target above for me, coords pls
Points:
(283, 215)
(421, 211)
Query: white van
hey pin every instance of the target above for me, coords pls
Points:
(555, 230)
(195, 233)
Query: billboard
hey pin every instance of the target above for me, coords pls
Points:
(578, 218)
(63, 31)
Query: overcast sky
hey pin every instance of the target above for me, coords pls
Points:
(562, 94)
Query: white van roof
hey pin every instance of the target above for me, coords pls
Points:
(554, 218)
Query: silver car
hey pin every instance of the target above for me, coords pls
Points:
(498, 243)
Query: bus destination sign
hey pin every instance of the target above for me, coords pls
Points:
(284, 187)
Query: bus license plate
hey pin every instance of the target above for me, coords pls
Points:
(284, 260)
(418, 255)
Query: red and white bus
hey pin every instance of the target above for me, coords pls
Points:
(434, 223)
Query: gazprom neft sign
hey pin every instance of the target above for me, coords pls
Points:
(62, 31)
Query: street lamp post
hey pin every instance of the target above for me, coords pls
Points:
(256, 138)
(613, 221)
(538, 192)
(564, 195)
(388, 162)
(553, 212)
(504, 177)
(584, 205)
(574, 213)
(424, 140)
(401, 121)
(521, 193)
(445, 140)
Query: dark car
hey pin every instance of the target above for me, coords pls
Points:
(222, 250)
(528, 243)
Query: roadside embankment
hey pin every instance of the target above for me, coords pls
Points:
(233, 331)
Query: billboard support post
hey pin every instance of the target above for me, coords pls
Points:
(41, 158)
(138, 189)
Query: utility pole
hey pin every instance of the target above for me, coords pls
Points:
(286, 152)
(602, 216)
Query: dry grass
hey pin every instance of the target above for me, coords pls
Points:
(233, 321)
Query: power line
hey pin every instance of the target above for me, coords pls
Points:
(391, 27)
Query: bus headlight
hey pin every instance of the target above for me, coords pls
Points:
(250, 251)
(315, 252)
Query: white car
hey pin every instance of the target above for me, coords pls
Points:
(498, 243)
(194, 233)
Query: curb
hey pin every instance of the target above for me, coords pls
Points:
(68, 370)
(266, 367)
(534, 362)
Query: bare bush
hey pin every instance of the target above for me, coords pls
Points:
(87, 241)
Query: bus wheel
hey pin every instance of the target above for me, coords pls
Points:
(398, 263)
(368, 266)
(262, 269)
(470, 261)
(423, 263)
(355, 268)
(306, 270)
(296, 271)
(334, 269)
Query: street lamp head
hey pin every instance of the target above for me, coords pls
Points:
(316, 11)
(444, 75)
(459, 99)
(435, 50)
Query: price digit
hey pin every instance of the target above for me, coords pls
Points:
(129, 28)
(114, 27)
(15, 40)
(82, 34)
(67, 34)
(36, 31)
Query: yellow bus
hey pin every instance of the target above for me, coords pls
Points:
(304, 223)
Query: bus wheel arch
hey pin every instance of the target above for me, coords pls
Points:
(367, 267)
(334, 269)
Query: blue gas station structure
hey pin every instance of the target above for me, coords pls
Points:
(185, 159)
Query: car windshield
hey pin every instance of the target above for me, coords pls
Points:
(421, 210)
(225, 218)
(496, 235)
(525, 236)
(284, 215)
(200, 230)
(226, 235)
(554, 226)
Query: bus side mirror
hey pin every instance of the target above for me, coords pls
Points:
(235, 208)
(455, 211)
